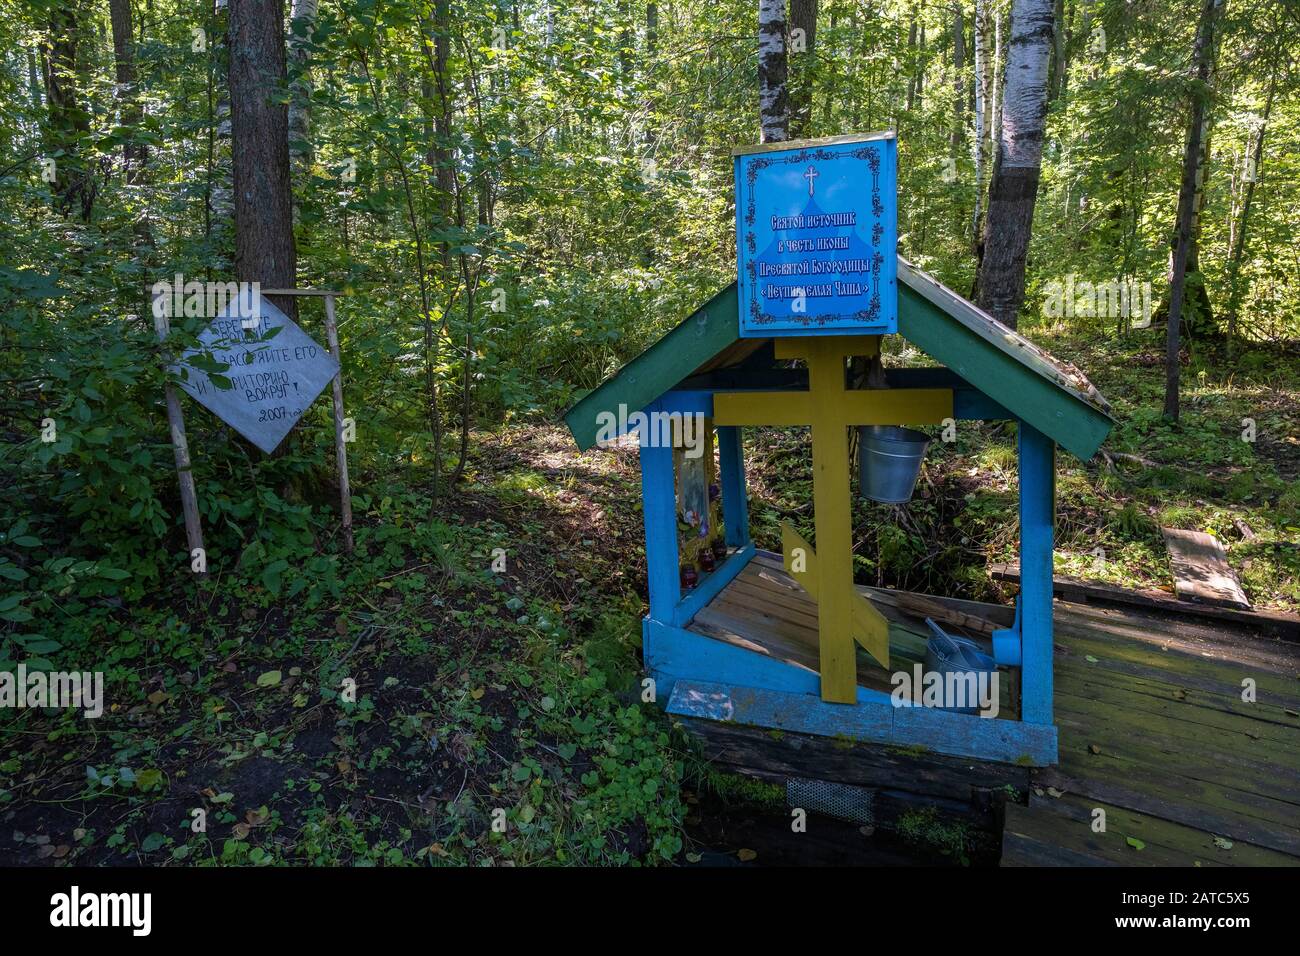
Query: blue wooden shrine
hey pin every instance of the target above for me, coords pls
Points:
(788, 641)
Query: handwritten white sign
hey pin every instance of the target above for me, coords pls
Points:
(259, 377)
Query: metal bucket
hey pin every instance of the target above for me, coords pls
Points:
(948, 653)
(889, 460)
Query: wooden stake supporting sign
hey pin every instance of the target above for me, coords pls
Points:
(340, 445)
(275, 372)
(184, 471)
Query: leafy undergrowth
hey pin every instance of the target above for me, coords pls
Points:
(496, 718)
(1201, 474)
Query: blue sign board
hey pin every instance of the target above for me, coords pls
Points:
(817, 237)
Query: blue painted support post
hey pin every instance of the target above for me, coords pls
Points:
(735, 505)
(659, 504)
(1037, 515)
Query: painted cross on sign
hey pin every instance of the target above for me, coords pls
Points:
(260, 378)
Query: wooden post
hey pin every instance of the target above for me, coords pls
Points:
(340, 447)
(181, 451)
(1037, 516)
(735, 509)
(659, 504)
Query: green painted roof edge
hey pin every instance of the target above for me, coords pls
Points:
(692, 342)
(1002, 364)
(1013, 372)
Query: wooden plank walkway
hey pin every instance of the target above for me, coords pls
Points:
(1155, 727)
(1080, 591)
(1155, 732)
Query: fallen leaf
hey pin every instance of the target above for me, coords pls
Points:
(477, 693)
(1053, 792)
(79, 833)
(437, 850)
(1090, 659)
(341, 626)
(269, 679)
(1223, 843)
(61, 851)
(1093, 749)
(746, 855)
(159, 696)
(694, 857)
(258, 817)
(1135, 843)
(240, 831)
(344, 766)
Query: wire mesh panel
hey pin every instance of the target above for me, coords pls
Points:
(840, 800)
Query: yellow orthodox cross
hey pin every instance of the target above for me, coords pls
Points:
(843, 616)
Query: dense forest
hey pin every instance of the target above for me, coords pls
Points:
(513, 199)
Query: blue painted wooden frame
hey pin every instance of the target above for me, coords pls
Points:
(1034, 606)
(673, 653)
(659, 512)
(871, 721)
(735, 500)
(778, 694)
(711, 586)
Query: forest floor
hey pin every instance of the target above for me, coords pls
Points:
(497, 717)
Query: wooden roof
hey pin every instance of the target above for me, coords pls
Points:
(1049, 394)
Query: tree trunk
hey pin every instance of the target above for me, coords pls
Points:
(221, 196)
(69, 123)
(264, 248)
(803, 16)
(911, 58)
(1014, 187)
(134, 153)
(1192, 156)
(958, 77)
(300, 149)
(1057, 84)
(648, 68)
(1238, 250)
(983, 111)
(773, 97)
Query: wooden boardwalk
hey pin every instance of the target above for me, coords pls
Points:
(1154, 731)
(1153, 727)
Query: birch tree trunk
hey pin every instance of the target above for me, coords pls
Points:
(1014, 188)
(1187, 196)
(983, 111)
(958, 77)
(221, 197)
(264, 248)
(773, 97)
(911, 54)
(1238, 243)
